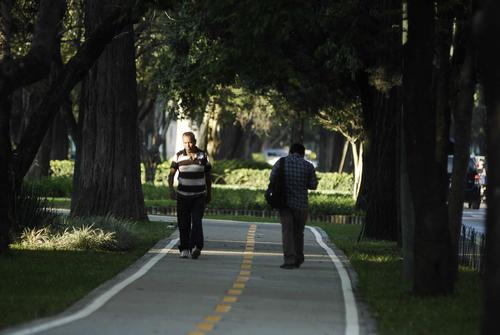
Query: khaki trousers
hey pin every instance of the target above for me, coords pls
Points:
(292, 227)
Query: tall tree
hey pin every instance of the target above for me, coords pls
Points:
(27, 69)
(489, 53)
(379, 85)
(107, 167)
(426, 163)
(16, 73)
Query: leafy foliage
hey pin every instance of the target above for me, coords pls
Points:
(288, 48)
(346, 120)
(62, 168)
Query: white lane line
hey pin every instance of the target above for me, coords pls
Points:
(351, 311)
(100, 300)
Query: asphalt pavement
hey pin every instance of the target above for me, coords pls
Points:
(235, 287)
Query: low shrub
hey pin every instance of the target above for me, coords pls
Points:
(161, 175)
(55, 186)
(259, 179)
(222, 166)
(62, 168)
(95, 233)
(333, 181)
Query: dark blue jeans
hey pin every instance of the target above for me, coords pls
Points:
(189, 214)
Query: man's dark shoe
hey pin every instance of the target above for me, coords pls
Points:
(298, 264)
(196, 253)
(287, 266)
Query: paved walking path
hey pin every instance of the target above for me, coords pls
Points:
(235, 287)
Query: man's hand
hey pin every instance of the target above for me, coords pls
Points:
(173, 195)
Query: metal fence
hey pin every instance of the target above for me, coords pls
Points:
(338, 219)
(472, 249)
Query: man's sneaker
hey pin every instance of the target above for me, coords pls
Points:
(185, 253)
(287, 266)
(196, 253)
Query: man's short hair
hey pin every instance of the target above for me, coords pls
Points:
(298, 148)
(189, 134)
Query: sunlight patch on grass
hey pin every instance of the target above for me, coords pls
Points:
(39, 283)
(387, 292)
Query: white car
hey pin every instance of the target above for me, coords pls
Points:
(273, 155)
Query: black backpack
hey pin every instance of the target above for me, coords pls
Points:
(275, 193)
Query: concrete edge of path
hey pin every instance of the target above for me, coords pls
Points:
(33, 327)
(366, 322)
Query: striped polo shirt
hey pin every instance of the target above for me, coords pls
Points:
(192, 172)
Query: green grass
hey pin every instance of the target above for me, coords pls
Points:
(383, 287)
(230, 198)
(36, 283)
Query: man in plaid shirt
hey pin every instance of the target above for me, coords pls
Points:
(299, 177)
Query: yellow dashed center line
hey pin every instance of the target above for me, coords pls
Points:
(213, 318)
(229, 299)
(237, 289)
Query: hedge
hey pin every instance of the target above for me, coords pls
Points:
(232, 198)
(243, 187)
(259, 179)
(244, 173)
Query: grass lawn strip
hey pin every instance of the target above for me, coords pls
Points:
(382, 286)
(40, 283)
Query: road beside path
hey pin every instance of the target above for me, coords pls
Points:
(235, 287)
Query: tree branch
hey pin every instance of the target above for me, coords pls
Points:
(72, 73)
(35, 65)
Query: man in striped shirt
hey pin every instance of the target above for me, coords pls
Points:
(193, 193)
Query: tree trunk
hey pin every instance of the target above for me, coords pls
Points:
(230, 146)
(330, 155)
(381, 104)
(489, 53)
(433, 273)
(7, 189)
(107, 166)
(17, 73)
(59, 140)
(343, 158)
(297, 129)
(41, 164)
(379, 190)
(464, 76)
(357, 155)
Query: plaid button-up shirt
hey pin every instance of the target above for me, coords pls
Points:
(299, 177)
